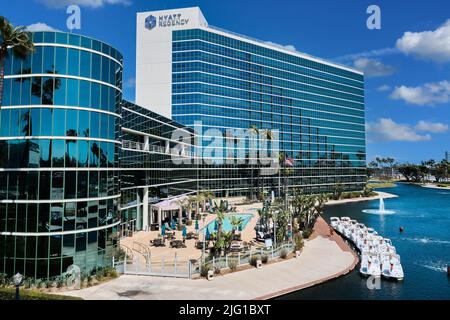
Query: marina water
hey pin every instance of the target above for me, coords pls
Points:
(424, 246)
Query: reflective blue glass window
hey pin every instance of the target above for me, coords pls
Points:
(105, 69)
(37, 60)
(96, 66)
(60, 91)
(71, 151)
(74, 39)
(61, 38)
(49, 59)
(73, 64)
(44, 152)
(6, 100)
(26, 91)
(61, 60)
(4, 130)
(85, 93)
(15, 92)
(47, 90)
(72, 92)
(57, 154)
(96, 45)
(86, 42)
(49, 37)
(83, 124)
(46, 122)
(72, 123)
(104, 125)
(17, 66)
(36, 90)
(35, 122)
(95, 95)
(38, 37)
(105, 96)
(8, 63)
(94, 124)
(83, 153)
(14, 129)
(85, 64)
(59, 121)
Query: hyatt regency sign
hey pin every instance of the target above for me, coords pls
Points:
(164, 21)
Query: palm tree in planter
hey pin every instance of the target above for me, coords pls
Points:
(18, 40)
(220, 238)
(235, 223)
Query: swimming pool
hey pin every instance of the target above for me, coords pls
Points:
(227, 223)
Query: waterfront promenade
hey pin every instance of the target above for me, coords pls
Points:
(322, 258)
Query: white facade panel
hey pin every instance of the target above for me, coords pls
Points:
(154, 55)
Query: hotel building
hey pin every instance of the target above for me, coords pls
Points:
(190, 71)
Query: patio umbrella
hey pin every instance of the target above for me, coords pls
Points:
(173, 226)
(240, 227)
(196, 225)
(184, 232)
(216, 225)
(208, 235)
(163, 230)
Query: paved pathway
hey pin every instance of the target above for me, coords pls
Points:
(321, 259)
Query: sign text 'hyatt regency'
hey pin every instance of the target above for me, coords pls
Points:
(167, 20)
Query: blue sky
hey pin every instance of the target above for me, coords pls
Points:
(407, 62)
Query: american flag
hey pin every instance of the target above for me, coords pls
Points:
(289, 162)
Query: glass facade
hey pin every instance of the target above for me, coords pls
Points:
(59, 156)
(228, 82)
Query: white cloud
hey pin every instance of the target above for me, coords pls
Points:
(373, 68)
(433, 127)
(366, 54)
(289, 47)
(431, 45)
(58, 4)
(383, 88)
(40, 26)
(428, 94)
(388, 130)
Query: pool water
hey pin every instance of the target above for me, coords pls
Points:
(227, 227)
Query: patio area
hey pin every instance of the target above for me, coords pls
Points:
(150, 241)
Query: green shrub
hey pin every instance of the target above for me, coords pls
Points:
(217, 270)
(298, 242)
(232, 264)
(253, 260)
(204, 270)
(306, 233)
(189, 222)
(264, 258)
(283, 253)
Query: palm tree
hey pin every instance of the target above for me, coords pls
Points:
(16, 39)
(235, 223)
(268, 135)
(70, 133)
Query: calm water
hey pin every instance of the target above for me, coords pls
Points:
(424, 247)
(227, 224)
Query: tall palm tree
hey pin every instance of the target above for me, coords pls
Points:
(18, 40)
(268, 135)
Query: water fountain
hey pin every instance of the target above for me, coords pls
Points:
(381, 209)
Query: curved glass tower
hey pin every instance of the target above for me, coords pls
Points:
(59, 145)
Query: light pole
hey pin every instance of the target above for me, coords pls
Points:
(17, 280)
(204, 238)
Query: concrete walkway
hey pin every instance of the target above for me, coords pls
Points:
(321, 259)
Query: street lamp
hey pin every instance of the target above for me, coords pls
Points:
(17, 280)
(204, 236)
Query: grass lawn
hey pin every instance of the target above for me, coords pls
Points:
(10, 294)
(381, 185)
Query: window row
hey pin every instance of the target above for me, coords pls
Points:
(45, 153)
(57, 122)
(60, 91)
(58, 185)
(194, 34)
(66, 61)
(254, 63)
(249, 94)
